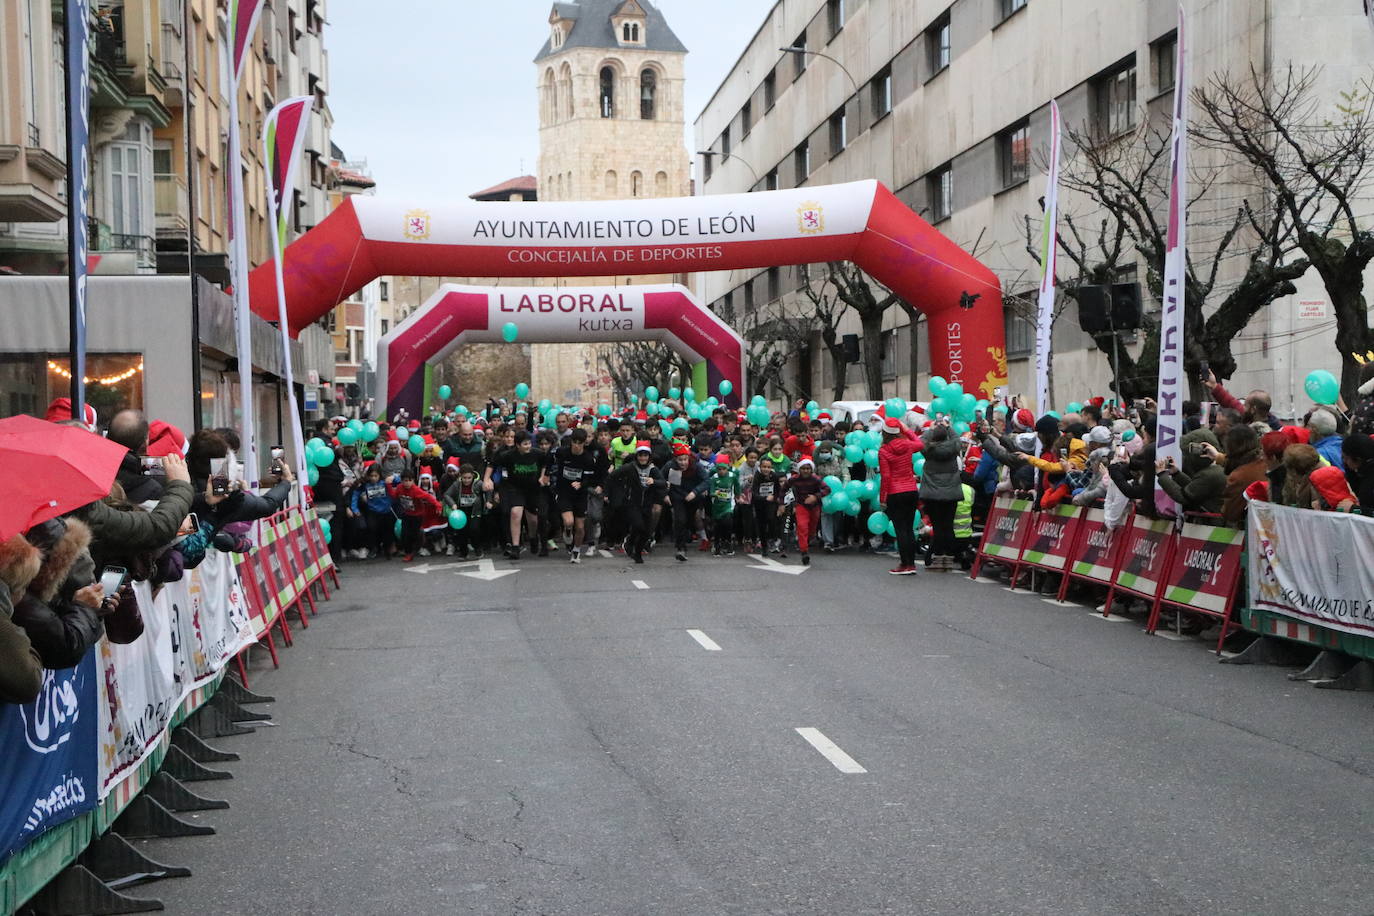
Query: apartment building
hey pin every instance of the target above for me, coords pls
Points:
(947, 103)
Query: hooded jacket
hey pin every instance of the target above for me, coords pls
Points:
(21, 668)
(118, 535)
(1200, 486)
(60, 629)
(894, 464)
(940, 479)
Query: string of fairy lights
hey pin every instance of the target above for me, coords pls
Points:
(106, 380)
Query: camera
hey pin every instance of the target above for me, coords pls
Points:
(152, 467)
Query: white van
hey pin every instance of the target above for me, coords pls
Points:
(860, 411)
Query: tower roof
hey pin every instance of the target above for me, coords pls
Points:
(592, 27)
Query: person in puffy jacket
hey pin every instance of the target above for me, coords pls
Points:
(898, 489)
(21, 668)
(1200, 485)
(60, 608)
(941, 492)
(1245, 464)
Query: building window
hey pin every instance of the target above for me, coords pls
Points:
(1013, 154)
(386, 326)
(661, 184)
(636, 184)
(749, 293)
(770, 181)
(937, 44)
(941, 193)
(770, 90)
(799, 57)
(834, 13)
(746, 118)
(612, 187)
(1007, 7)
(126, 194)
(801, 160)
(725, 141)
(383, 290)
(648, 92)
(707, 167)
(774, 284)
(557, 39)
(880, 91)
(607, 92)
(839, 133)
(1165, 53)
(1113, 95)
(1020, 330)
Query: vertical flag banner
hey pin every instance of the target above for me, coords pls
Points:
(1049, 247)
(243, 22)
(77, 32)
(1171, 382)
(283, 138)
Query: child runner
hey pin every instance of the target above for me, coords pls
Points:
(807, 490)
(643, 487)
(767, 502)
(433, 524)
(372, 504)
(576, 474)
(466, 494)
(411, 502)
(687, 487)
(745, 529)
(725, 490)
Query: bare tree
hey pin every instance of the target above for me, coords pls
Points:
(773, 338)
(870, 300)
(1127, 179)
(827, 308)
(635, 365)
(1314, 166)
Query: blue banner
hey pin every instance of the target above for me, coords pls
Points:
(78, 71)
(49, 756)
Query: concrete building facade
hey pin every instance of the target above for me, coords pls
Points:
(948, 104)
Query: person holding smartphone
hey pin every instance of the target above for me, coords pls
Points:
(60, 606)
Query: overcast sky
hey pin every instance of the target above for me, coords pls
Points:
(442, 105)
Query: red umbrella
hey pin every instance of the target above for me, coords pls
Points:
(47, 470)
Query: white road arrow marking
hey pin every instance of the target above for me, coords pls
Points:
(487, 571)
(427, 568)
(772, 565)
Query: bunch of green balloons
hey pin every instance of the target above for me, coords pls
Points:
(950, 400)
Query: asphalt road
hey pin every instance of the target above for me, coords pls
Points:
(557, 741)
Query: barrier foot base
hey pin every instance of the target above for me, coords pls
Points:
(192, 746)
(235, 712)
(1268, 650)
(118, 864)
(76, 890)
(145, 819)
(1327, 666)
(241, 694)
(165, 789)
(180, 764)
(210, 721)
(1359, 677)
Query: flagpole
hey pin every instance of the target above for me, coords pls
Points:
(1049, 247)
(76, 94)
(188, 139)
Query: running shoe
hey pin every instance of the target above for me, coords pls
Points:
(575, 556)
(681, 556)
(806, 559)
(903, 571)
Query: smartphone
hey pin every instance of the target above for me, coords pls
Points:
(1204, 370)
(112, 579)
(219, 476)
(278, 452)
(152, 467)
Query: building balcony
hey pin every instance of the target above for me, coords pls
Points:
(122, 253)
(171, 204)
(170, 65)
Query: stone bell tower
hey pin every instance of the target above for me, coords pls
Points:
(611, 127)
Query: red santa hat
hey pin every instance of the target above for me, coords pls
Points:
(643, 446)
(1097, 401)
(1331, 485)
(892, 426)
(823, 417)
(1023, 420)
(641, 417)
(413, 424)
(455, 462)
(722, 458)
(681, 448)
(61, 409)
(165, 439)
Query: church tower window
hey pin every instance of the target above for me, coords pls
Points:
(636, 184)
(648, 92)
(607, 92)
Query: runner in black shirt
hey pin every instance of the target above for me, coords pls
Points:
(522, 474)
(576, 471)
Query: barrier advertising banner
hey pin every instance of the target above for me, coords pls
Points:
(1051, 536)
(1205, 568)
(1317, 567)
(1095, 558)
(1146, 555)
(1007, 529)
(48, 763)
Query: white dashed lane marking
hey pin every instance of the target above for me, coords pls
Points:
(830, 750)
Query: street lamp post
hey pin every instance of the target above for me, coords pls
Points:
(845, 70)
(726, 157)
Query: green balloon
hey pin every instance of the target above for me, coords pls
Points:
(509, 332)
(312, 475)
(688, 394)
(938, 385)
(878, 523)
(1322, 387)
(326, 529)
(840, 502)
(604, 410)
(853, 454)
(461, 411)
(871, 458)
(854, 489)
(832, 482)
(322, 458)
(457, 519)
(347, 436)
(651, 393)
(674, 393)
(355, 425)
(445, 392)
(396, 529)
(1073, 407)
(416, 445)
(725, 388)
(758, 400)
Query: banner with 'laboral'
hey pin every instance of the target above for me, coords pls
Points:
(1315, 566)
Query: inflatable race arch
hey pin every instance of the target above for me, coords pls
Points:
(863, 222)
(469, 314)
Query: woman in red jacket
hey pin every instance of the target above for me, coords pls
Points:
(898, 489)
